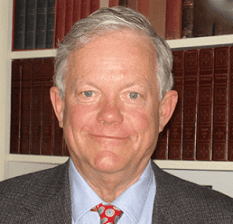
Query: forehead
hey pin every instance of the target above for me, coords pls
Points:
(116, 50)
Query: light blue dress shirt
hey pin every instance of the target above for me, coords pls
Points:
(136, 202)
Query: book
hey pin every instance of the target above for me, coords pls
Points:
(16, 105)
(204, 19)
(50, 27)
(113, 3)
(174, 19)
(190, 104)
(76, 11)
(36, 106)
(60, 21)
(85, 8)
(161, 149)
(133, 4)
(205, 107)
(157, 16)
(123, 3)
(41, 24)
(175, 142)
(94, 5)
(19, 25)
(220, 118)
(25, 117)
(143, 7)
(230, 110)
(187, 18)
(47, 109)
(68, 15)
(30, 33)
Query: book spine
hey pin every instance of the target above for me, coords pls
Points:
(58, 138)
(174, 19)
(113, 3)
(143, 7)
(157, 16)
(76, 11)
(69, 15)
(230, 138)
(60, 23)
(205, 108)
(176, 124)
(16, 106)
(133, 4)
(95, 4)
(25, 123)
(41, 23)
(47, 109)
(162, 145)
(19, 24)
(123, 3)
(203, 19)
(30, 33)
(36, 109)
(220, 103)
(187, 18)
(85, 8)
(190, 104)
(50, 28)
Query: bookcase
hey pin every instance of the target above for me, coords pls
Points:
(13, 164)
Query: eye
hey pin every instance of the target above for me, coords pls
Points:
(88, 93)
(133, 95)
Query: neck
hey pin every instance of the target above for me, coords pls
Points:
(110, 186)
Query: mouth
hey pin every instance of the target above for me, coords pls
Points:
(110, 137)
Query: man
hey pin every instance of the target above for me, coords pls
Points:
(112, 97)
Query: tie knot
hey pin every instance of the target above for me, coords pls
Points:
(108, 213)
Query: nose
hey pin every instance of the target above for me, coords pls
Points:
(109, 114)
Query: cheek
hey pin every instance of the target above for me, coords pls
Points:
(80, 115)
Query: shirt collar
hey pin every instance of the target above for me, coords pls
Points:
(130, 201)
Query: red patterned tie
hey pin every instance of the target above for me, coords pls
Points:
(109, 214)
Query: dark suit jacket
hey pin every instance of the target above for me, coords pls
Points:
(44, 197)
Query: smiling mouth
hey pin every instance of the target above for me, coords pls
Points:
(109, 137)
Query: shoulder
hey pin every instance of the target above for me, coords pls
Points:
(183, 197)
(38, 185)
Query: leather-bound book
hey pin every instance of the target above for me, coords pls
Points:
(94, 5)
(205, 108)
(69, 15)
(60, 20)
(30, 33)
(175, 142)
(85, 8)
(26, 106)
(113, 3)
(187, 18)
(220, 118)
(76, 11)
(190, 103)
(16, 105)
(230, 116)
(47, 109)
(174, 19)
(19, 25)
(36, 105)
(51, 22)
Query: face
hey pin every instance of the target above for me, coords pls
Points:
(111, 115)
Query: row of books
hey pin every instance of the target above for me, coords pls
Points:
(34, 127)
(202, 125)
(200, 129)
(40, 24)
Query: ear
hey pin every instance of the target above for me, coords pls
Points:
(167, 107)
(58, 104)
